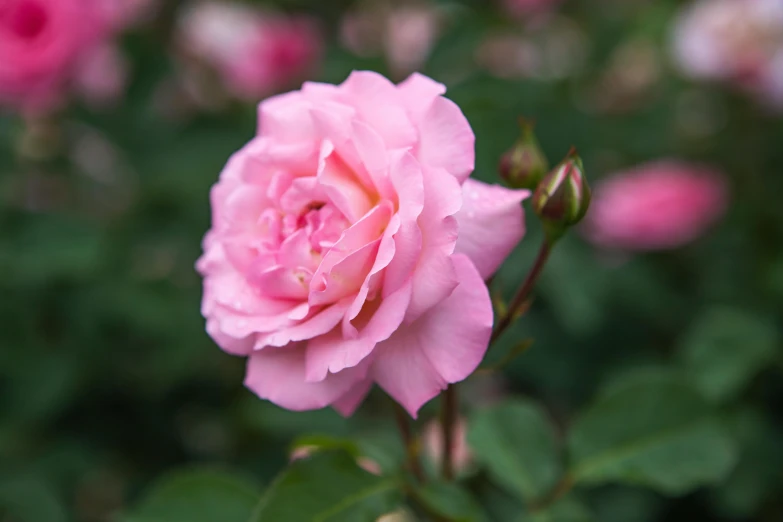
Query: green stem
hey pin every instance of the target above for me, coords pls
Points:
(524, 291)
(411, 446)
(449, 413)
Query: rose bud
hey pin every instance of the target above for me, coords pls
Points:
(563, 196)
(525, 164)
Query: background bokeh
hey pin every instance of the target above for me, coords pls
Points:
(107, 378)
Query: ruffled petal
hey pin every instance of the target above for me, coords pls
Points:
(491, 223)
(446, 139)
(444, 346)
(417, 93)
(434, 278)
(333, 352)
(277, 375)
(341, 186)
(319, 324)
(378, 104)
(347, 404)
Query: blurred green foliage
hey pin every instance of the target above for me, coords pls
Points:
(659, 371)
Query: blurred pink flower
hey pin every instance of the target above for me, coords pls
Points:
(656, 206)
(404, 33)
(101, 75)
(349, 246)
(41, 42)
(549, 51)
(732, 40)
(432, 438)
(256, 53)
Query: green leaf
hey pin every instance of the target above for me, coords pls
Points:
(657, 432)
(517, 443)
(725, 349)
(757, 476)
(197, 495)
(327, 442)
(329, 486)
(450, 501)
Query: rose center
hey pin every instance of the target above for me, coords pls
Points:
(28, 20)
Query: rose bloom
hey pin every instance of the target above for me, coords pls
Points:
(656, 206)
(255, 53)
(41, 43)
(739, 41)
(349, 246)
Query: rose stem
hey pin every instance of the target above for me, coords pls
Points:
(449, 412)
(523, 293)
(411, 450)
(449, 403)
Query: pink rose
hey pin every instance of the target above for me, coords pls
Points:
(655, 206)
(349, 246)
(41, 41)
(254, 52)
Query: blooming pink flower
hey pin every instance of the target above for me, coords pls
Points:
(349, 246)
(255, 53)
(732, 40)
(41, 41)
(656, 206)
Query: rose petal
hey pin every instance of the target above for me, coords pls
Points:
(378, 103)
(347, 404)
(333, 352)
(446, 139)
(491, 223)
(417, 93)
(444, 346)
(320, 324)
(277, 375)
(434, 278)
(341, 186)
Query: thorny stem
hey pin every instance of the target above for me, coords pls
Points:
(448, 421)
(524, 291)
(411, 446)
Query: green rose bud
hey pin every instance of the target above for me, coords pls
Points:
(562, 198)
(525, 164)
